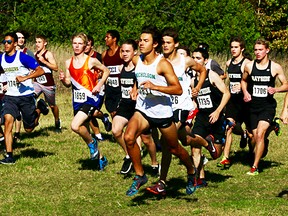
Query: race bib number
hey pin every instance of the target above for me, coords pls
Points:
(144, 91)
(204, 102)
(42, 79)
(174, 99)
(12, 84)
(79, 96)
(235, 87)
(126, 92)
(260, 91)
(113, 81)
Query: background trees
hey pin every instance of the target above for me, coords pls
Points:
(210, 21)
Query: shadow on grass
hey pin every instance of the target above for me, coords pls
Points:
(282, 194)
(34, 153)
(43, 132)
(174, 190)
(245, 158)
(216, 177)
(88, 164)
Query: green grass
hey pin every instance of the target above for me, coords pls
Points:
(53, 175)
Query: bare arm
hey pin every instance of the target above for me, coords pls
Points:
(202, 74)
(278, 71)
(65, 77)
(105, 73)
(37, 72)
(244, 84)
(216, 80)
(51, 62)
(165, 69)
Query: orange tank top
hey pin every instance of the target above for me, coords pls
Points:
(84, 76)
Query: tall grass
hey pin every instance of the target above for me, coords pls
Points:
(53, 175)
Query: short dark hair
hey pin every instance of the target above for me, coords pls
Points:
(203, 52)
(238, 39)
(131, 42)
(42, 37)
(90, 38)
(186, 48)
(171, 32)
(114, 34)
(156, 35)
(13, 35)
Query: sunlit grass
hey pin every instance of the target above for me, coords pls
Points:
(53, 175)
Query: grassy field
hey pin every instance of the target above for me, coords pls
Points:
(53, 175)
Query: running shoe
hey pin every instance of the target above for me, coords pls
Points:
(42, 106)
(158, 189)
(106, 122)
(156, 169)
(225, 163)
(211, 148)
(103, 162)
(58, 126)
(93, 147)
(16, 138)
(277, 128)
(127, 166)
(201, 182)
(138, 181)
(253, 171)
(205, 160)
(243, 141)
(7, 160)
(191, 184)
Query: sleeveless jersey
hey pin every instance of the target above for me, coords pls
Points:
(16, 68)
(184, 101)
(113, 81)
(127, 80)
(209, 97)
(261, 79)
(235, 76)
(83, 81)
(47, 78)
(153, 103)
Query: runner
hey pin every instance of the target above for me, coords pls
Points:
(156, 82)
(262, 72)
(86, 87)
(45, 84)
(19, 96)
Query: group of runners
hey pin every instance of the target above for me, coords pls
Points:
(150, 86)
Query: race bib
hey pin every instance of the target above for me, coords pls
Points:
(113, 81)
(204, 102)
(260, 91)
(126, 92)
(12, 84)
(144, 91)
(41, 79)
(235, 87)
(79, 96)
(174, 99)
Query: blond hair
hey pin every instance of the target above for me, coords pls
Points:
(81, 35)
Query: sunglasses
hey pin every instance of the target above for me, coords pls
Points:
(7, 41)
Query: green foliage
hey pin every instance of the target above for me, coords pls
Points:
(213, 22)
(273, 22)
